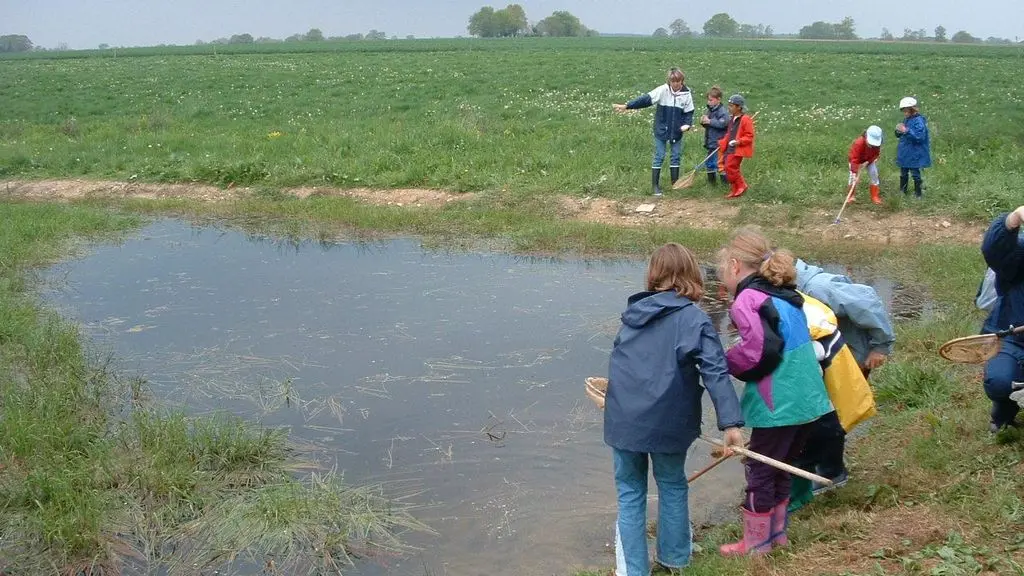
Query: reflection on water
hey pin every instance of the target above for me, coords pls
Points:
(455, 378)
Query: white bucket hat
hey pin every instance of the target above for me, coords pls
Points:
(908, 102)
(874, 136)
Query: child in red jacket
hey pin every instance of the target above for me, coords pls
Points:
(864, 152)
(737, 144)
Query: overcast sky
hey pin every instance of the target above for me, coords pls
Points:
(88, 23)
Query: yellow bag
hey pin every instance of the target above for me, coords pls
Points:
(847, 387)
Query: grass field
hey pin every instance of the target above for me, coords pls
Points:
(530, 115)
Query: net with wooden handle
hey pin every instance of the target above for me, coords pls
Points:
(976, 349)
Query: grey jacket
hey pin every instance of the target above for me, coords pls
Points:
(863, 318)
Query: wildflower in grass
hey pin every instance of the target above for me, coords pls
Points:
(274, 135)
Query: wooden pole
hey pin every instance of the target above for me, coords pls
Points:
(771, 462)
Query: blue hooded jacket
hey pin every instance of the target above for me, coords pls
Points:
(914, 148)
(665, 346)
(863, 318)
(1004, 253)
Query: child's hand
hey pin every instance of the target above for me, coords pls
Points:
(733, 142)
(901, 128)
(619, 107)
(685, 128)
(733, 437)
(704, 120)
(1015, 219)
(874, 360)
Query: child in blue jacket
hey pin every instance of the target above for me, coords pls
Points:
(673, 116)
(715, 123)
(666, 354)
(914, 149)
(1003, 248)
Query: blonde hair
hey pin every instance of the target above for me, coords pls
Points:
(674, 267)
(676, 74)
(752, 248)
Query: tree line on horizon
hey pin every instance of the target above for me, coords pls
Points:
(511, 21)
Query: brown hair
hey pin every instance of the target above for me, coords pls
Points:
(674, 267)
(750, 247)
(715, 92)
(676, 74)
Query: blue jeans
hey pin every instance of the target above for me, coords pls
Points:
(659, 153)
(712, 163)
(1000, 373)
(674, 538)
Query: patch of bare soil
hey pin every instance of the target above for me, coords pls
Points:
(861, 225)
(66, 190)
(866, 539)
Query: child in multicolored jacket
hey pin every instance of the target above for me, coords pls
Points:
(673, 116)
(784, 392)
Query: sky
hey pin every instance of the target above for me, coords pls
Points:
(88, 23)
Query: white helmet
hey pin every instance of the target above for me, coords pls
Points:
(908, 102)
(874, 136)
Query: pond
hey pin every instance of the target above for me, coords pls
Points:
(453, 378)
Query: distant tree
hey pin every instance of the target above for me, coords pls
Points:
(914, 35)
(844, 30)
(511, 21)
(721, 25)
(680, 29)
(819, 30)
(356, 36)
(940, 34)
(375, 35)
(200, 42)
(104, 46)
(62, 46)
(997, 40)
(483, 23)
(562, 24)
(410, 37)
(963, 37)
(769, 31)
(314, 35)
(241, 39)
(660, 33)
(887, 35)
(751, 31)
(295, 38)
(266, 40)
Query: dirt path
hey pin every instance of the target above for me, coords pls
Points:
(860, 222)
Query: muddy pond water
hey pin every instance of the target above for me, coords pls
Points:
(454, 378)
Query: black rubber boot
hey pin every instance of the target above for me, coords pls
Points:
(675, 173)
(918, 184)
(712, 178)
(904, 179)
(724, 179)
(656, 181)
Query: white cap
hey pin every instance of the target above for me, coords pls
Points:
(908, 102)
(874, 136)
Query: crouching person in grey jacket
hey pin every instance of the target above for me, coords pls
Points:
(665, 347)
(864, 323)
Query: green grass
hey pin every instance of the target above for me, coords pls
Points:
(94, 477)
(530, 115)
